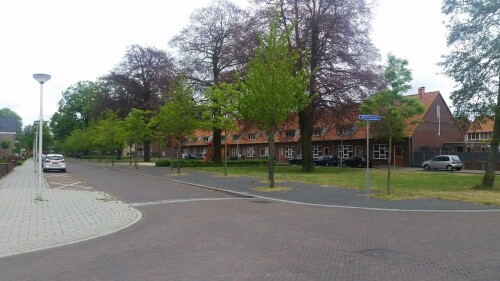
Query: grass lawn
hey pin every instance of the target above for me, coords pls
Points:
(405, 184)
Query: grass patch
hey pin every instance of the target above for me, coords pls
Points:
(405, 184)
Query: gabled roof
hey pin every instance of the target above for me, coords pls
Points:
(427, 99)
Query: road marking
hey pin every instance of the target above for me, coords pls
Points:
(74, 185)
(181, 201)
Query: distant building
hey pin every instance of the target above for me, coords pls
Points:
(8, 133)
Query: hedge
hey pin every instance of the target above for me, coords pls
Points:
(199, 163)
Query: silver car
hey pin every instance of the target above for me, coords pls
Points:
(443, 162)
(54, 162)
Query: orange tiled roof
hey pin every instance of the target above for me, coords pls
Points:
(482, 125)
(329, 130)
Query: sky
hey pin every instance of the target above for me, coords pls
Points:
(82, 40)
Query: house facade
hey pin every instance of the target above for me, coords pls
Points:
(8, 133)
(343, 137)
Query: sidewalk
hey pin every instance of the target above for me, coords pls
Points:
(62, 217)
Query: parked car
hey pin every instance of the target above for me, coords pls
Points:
(54, 162)
(326, 160)
(187, 156)
(356, 161)
(297, 160)
(237, 157)
(442, 162)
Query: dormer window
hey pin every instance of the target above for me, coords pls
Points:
(290, 134)
(317, 132)
(205, 139)
(251, 136)
(236, 137)
(223, 138)
(345, 130)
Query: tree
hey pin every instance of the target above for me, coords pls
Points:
(336, 35)
(178, 118)
(110, 132)
(136, 130)
(273, 88)
(214, 46)
(5, 144)
(394, 109)
(474, 64)
(76, 108)
(222, 99)
(139, 81)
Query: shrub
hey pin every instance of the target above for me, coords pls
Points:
(199, 163)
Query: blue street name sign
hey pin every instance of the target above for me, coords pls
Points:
(364, 117)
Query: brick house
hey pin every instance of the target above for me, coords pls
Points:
(8, 133)
(342, 136)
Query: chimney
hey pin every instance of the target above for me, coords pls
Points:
(421, 92)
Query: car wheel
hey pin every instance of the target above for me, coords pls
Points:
(344, 164)
(360, 165)
(427, 168)
(449, 168)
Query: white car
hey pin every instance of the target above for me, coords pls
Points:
(54, 162)
(443, 162)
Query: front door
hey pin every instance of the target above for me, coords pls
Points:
(398, 156)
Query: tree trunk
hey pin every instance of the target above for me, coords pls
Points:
(225, 155)
(136, 161)
(147, 151)
(179, 160)
(217, 147)
(306, 140)
(389, 166)
(489, 174)
(271, 158)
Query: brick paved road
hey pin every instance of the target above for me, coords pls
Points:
(254, 239)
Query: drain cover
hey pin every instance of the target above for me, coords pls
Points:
(382, 254)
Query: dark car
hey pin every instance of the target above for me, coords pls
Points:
(326, 160)
(297, 160)
(356, 161)
(237, 157)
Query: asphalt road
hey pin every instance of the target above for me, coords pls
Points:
(189, 233)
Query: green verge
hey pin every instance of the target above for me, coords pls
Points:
(405, 184)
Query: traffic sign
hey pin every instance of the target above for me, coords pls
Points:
(365, 117)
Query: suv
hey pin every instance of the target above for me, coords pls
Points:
(441, 162)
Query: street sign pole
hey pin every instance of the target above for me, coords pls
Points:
(367, 160)
(368, 118)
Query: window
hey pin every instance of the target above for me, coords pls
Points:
(289, 151)
(235, 150)
(290, 134)
(317, 151)
(251, 152)
(251, 136)
(264, 152)
(236, 137)
(205, 139)
(345, 130)
(223, 138)
(317, 132)
(345, 151)
(380, 151)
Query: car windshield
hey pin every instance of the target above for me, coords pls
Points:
(55, 157)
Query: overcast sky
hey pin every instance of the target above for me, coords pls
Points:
(83, 40)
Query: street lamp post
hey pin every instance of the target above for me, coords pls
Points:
(41, 78)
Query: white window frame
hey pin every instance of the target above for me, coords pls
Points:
(289, 151)
(290, 134)
(317, 132)
(317, 151)
(380, 151)
(264, 151)
(251, 136)
(345, 151)
(251, 152)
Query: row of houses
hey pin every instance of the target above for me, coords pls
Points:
(342, 138)
(437, 132)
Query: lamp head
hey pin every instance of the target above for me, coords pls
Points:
(41, 78)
